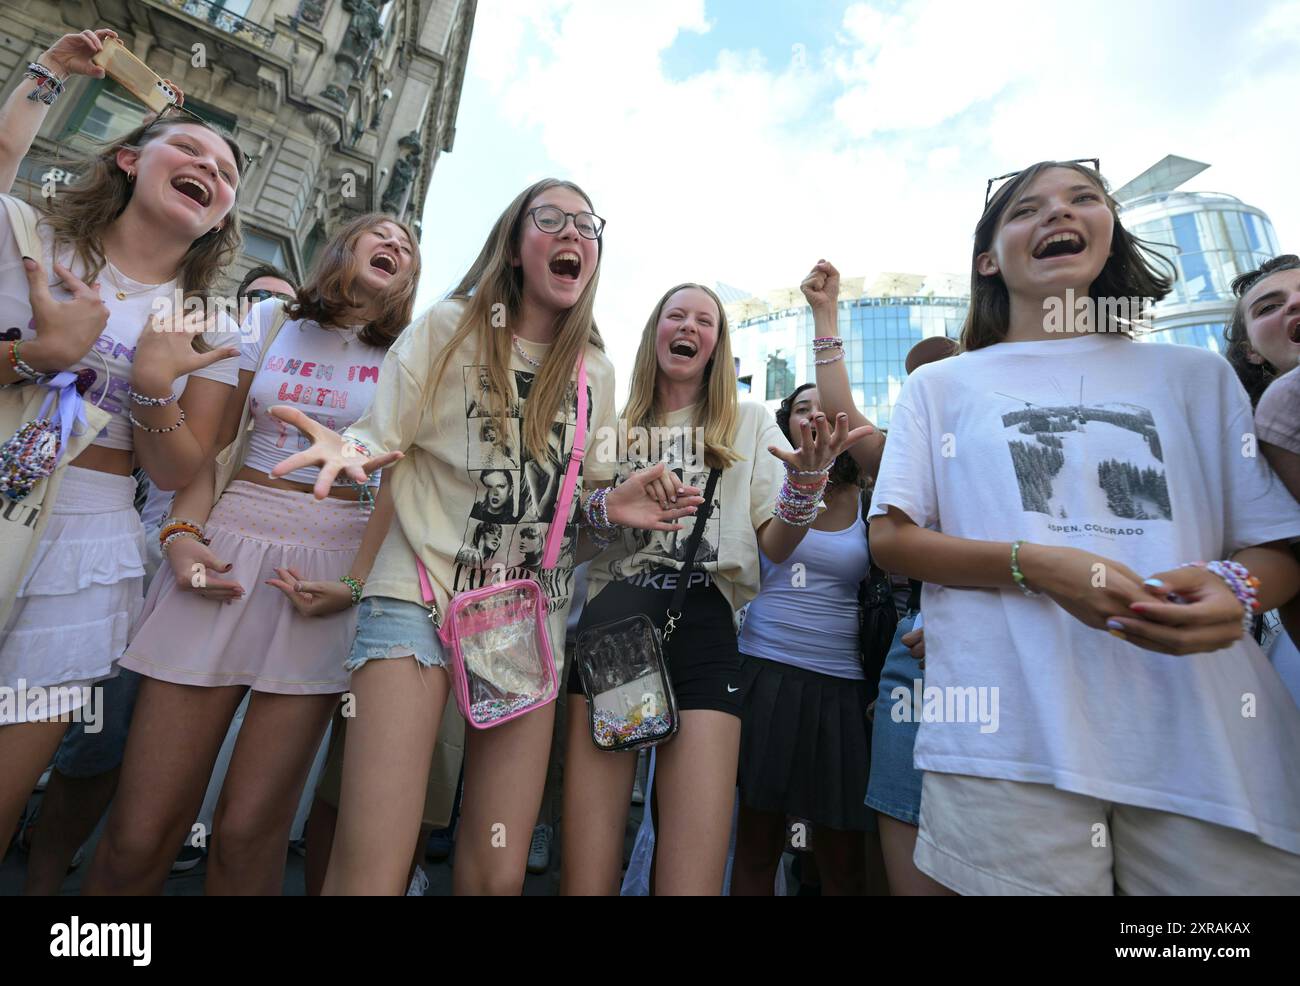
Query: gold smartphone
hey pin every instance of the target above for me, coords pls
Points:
(134, 75)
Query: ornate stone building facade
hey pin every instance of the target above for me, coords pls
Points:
(344, 105)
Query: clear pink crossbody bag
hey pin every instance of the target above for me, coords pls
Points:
(496, 637)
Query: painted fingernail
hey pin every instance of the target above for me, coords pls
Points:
(1154, 583)
(1114, 624)
(1116, 633)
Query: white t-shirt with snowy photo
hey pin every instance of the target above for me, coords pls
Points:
(1141, 453)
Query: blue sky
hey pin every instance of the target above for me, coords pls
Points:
(739, 141)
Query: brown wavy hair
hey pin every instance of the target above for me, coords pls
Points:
(720, 413)
(79, 215)
(328, 293)
(1255, 377)
(492, 280)
(1130, 270)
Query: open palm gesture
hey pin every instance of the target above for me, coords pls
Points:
(330, 452)
(819, 443)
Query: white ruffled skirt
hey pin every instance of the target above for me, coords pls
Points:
(80, 595)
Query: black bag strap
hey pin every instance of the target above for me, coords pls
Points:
(692, 546)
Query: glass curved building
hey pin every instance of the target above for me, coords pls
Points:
(880, 319)
(1209, 236)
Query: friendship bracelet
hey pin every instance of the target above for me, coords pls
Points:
(145, 401)
(359, 448)
(48, 86)
(839, 355)
(156, 431)
(355, 585)
(178, 522)
(177, 535)
(809, 472)
(1243, 585)
(827, 341)
(1018, 575)
(597, 517)
(20, 365)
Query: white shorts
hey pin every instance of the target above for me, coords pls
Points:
(983, 836)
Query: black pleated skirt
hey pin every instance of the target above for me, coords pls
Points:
(805, 748)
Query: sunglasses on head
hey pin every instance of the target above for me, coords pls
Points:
(988, 191)
(181, 114)
(262, 294)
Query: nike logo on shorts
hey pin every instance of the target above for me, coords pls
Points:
(730, 689)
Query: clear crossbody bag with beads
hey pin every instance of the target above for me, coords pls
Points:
(623, 670)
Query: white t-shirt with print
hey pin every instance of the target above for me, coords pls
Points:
(742, 503)
(1140, 453)
(109, 361)
(327, 373)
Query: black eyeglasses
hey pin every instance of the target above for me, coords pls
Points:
(262, 294)
(552, 219)
(988, 191)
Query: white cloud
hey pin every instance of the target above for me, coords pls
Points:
(874, 150)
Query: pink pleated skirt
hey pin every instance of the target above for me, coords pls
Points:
(260, 640)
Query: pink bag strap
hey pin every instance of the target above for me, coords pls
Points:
(426, 586)
(551, 554)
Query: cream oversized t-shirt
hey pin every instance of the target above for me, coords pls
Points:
(475, 505)
(742, 503)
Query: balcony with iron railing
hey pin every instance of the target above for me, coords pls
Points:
(226, 21)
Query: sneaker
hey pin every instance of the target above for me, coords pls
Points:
(438, 848)
(419, 883)
(188, 858)
(539, 850)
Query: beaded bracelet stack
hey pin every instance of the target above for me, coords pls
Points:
(145, 401)
(175, 529)
(355, 585)
(596, 514)
(21, 366)
(828, 344)
(1243, 585)
(49, 86)
(800, 498)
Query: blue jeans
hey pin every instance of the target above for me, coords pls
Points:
(894, 787)
(89, 754)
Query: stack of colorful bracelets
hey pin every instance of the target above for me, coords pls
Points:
(146, 401)
(1243, 585)
(801, 496)
(49, 86)
(175, 529)
(828, 344)
(21, 366)
(597, 516)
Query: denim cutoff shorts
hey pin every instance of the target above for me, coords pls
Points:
(393, 628)
(894, 785)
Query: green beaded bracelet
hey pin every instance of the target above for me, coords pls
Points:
(1018, 575)
(355, 585)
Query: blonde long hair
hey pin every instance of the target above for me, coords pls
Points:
(494, 280)
(721, 411)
